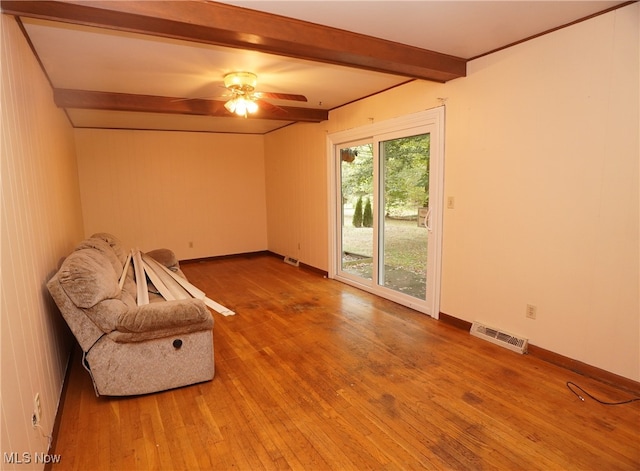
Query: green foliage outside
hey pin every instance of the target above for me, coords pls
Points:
(405, 163)
(406, 172)
(357, 176)
(357, 214)
(367, 214)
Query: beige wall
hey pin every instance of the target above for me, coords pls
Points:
(167, 189)
(41, 221)
(296, 176)
(542, 157)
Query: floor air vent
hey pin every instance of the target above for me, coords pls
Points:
(499, 337)
(292, 261)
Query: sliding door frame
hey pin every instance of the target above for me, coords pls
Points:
(431, 121)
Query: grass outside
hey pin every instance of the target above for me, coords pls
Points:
(405, 253)
(405, 242)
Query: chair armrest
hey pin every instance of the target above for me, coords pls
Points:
(164, 315)
(165, 257)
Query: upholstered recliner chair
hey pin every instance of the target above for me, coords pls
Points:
(130, 349)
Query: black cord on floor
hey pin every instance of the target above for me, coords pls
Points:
(570, 384)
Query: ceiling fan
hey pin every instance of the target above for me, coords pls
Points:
(244, 97)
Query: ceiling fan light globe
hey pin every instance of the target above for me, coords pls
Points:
(252, 106)
(231, 105)
(241, 107)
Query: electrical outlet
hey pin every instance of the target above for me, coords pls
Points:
(531, 311)
(37, 410)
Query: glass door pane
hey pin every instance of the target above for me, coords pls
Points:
(390, 173)
(356, 231)
(403, 216)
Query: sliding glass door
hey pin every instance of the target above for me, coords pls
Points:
(387, 214)
(355, 229)
(404, 204)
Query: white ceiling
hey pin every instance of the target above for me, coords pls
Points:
(464, 29)
(97, 59)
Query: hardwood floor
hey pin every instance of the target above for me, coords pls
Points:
(316, 375)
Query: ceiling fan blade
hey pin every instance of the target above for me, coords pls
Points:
(281, 96)
(270, 107)
(187, 99)
(227, 94)
(208, 97)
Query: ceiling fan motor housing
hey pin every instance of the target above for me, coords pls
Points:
(243, 81)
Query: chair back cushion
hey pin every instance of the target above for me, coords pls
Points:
(88, 277)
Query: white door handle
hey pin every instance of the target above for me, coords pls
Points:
(427, 220)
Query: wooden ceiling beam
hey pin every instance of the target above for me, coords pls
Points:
(86, 99)
(226, 25)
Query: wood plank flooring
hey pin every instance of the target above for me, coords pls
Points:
(312, 374)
